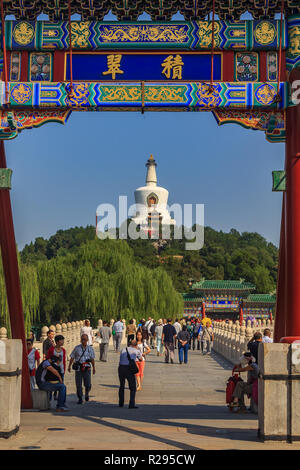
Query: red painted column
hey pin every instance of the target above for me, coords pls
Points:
(12, 281)
(293, 222)
(203, 310)
(241, 315)
(280, 313)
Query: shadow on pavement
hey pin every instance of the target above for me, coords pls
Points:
(167, 416)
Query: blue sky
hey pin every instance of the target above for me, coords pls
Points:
(62, 173)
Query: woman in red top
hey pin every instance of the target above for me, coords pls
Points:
(33, 359)
(59, 351)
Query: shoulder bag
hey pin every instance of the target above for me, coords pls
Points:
(132, 364)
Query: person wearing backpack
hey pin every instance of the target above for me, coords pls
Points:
(48, 378)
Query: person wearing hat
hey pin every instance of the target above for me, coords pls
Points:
(158, 336)
(247, 364)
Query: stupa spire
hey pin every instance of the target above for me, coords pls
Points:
(151, 178)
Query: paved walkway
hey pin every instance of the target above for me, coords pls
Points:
(180, 407)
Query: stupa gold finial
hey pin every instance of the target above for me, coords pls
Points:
(151, 157)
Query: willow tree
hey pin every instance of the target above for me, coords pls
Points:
(30, 296)
(58, 297)
(102, 279)
(112, 283)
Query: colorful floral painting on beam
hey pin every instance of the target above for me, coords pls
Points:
(246, 67)
(40, 67)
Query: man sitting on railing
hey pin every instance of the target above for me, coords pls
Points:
(249, 365)
(48, 378)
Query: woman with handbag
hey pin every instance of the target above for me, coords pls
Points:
(127, 370)
(144, 348)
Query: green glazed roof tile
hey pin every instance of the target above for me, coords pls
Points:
(225, 285)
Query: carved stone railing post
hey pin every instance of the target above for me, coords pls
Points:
(53, 328)
(58, 329)
(226, 334)
(233, 342)
(73, 334)
(222, 338)
(216, 337)
(237, 341)
(229, 339)
(3, 334)
(249, 334)
(259, 326)
(242, 343)
(69, 337)
(44, 332)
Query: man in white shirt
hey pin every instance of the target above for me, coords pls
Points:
(148, 324)
(118, 328)
(267, 336)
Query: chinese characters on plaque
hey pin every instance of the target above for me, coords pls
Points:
(171, 66)
(143, 66)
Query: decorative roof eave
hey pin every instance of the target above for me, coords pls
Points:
(158, 10)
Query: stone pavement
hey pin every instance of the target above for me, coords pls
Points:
(181, 407)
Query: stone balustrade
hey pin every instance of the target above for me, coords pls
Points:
(231, 339)
(70, 331)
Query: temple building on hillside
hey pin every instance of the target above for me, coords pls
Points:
(151, 201)
(233, 300)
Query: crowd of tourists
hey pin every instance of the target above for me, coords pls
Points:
(163, 336)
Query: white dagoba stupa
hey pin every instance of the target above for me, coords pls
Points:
(151, 200)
